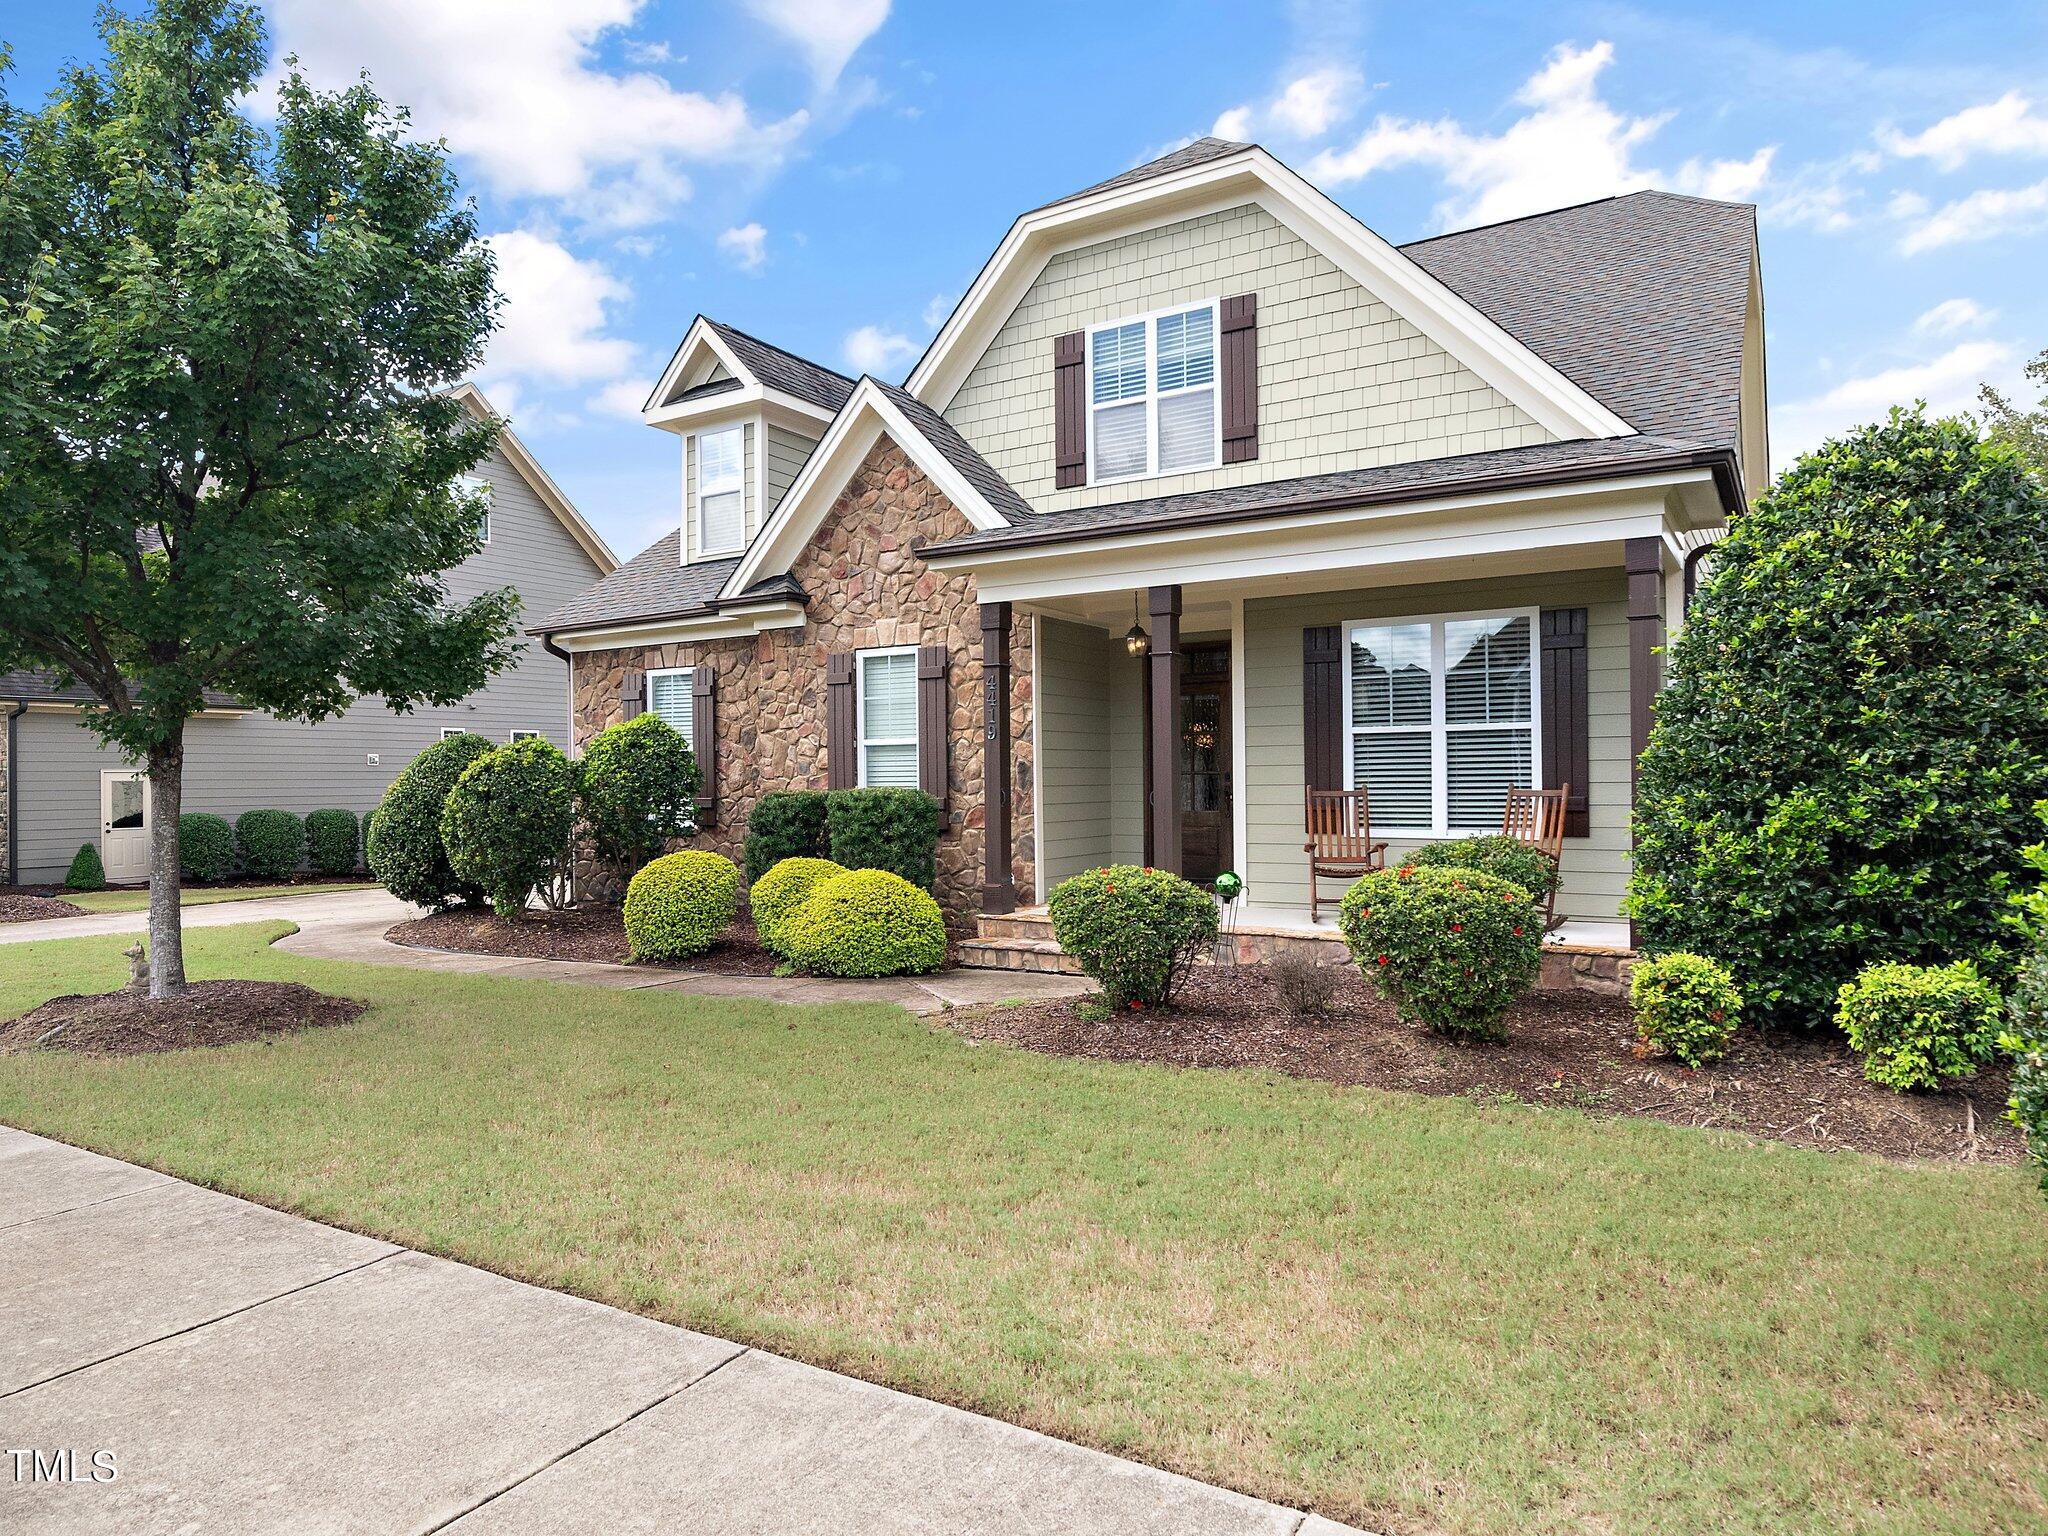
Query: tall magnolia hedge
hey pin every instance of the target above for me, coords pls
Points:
(1855, 730)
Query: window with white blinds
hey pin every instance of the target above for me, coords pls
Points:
(1440, 719)
(886, 706)
(1152, 400)
(672, 695)
(721, 492)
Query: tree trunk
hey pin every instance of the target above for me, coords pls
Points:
(166, 927)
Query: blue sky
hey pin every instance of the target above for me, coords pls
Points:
(830, 173)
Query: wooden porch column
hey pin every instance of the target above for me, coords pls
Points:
(1644, 560)
(1163, 661)
(998, 890)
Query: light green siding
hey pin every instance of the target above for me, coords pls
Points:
(1595, 867)
(787, 451)
(1074, 757)
(1343, 381)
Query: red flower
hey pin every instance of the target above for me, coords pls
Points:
(1365, 911)
(1518, 930)
(1148, 869)
(1383, 959)
(1507, 895)
(1457, 927)
(1110, 889)
(1137, 1006)
(1404, 872)
(1715, 1015)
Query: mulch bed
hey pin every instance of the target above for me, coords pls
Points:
(209, 1013)
(18, 907)
(580, 933)
(1569, 1049)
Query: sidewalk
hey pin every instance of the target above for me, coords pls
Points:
(249, 1371)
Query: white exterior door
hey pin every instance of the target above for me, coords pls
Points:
(124, 825)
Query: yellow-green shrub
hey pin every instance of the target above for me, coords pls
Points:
(781, 890)
(867, 922)
(680, 903)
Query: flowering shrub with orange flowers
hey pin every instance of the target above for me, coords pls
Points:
(1137, 932)
(1452, 948)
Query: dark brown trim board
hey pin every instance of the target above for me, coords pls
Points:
(998, 889)
(1164, 720)
(1567, 723)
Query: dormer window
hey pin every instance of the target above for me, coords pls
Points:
(721, 501)
(1152, 398)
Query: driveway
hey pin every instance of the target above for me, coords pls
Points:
(179, 1360)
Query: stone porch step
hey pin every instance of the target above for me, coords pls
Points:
(1015, 954)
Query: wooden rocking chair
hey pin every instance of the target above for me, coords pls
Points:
(1535, 819)
(1339, 842)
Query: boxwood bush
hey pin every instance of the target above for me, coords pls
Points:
(678, 904)
(1856, 722)
(1686, 1006)
(206, 848)
(777, 895)
(867, 922)
(1919, 1026)
(406, 852)
(86, 873)
(1452, 948)
(2026, 1041)
(1491, 854)
(331, 842)
(892, 829)
(1136, 932)
(269, 844)
(507, 822)
(785, 824)
(636, 786)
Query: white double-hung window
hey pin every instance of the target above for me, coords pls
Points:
(1153, 407)
(721, 497)
(1440, 719)
(885, 701)
(671, 694)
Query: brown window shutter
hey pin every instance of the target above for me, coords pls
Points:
(1240, 321)
(633, 695)
(1567, 734)
(934, 719)
(1070, 409)
(841, 734)
(1322, 705)
(704, 726)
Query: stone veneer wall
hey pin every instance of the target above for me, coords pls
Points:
(867, 588)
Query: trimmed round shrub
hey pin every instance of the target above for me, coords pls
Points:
(1136, 932)
(1452, 948)
(1856, 722)
(508, 820)
(1919, 1026)
(892, 829)
(406, 853)
(867, 922)
(678, 904)
(269, 844)
(206, 848)
(331, 842)
(1491, 854)
(1686, 1006)
(785, 824)
(637, 788)
(780, 891)
(86, 873)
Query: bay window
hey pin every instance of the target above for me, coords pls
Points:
(1153, 407)
(1440, 719)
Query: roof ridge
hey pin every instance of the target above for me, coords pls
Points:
(1591, 202)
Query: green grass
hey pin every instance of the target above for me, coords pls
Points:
(1411, 1313)
(205, 895)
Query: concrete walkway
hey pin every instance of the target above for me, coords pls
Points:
(240, 1370)
(350, 925)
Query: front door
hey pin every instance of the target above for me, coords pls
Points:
(124, 825)
(1205, 788)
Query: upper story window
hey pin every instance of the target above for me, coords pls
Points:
(1440, 720)
(887, 714)
(476, 485)
(721, 498)
(1152, 399)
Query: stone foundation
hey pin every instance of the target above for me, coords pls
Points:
(867, 589)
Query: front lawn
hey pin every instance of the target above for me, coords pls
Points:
(1411, 1313)
(206, 895)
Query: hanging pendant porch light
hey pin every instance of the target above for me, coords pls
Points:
(1136, 641)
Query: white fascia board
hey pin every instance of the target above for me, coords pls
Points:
(1551, 399)
(715, 626)
(698, 337)
(866, 415)
(747, 400)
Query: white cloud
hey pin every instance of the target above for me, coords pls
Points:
(1569, 147)
(624, 397)
(1982, 215)
(1947, 383)
(645, 53)
(554, 325)
(829, 31)
(1235, 124)
(1953, 315)
(746, 247)
(874, 350)
(1306, 107)
(518, 92)
(2007, 126)
(936, 308)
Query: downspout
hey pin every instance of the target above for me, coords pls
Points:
(13, 786)
(1691, 569)
(547, 643)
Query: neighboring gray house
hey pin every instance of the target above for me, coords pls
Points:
(64, 788)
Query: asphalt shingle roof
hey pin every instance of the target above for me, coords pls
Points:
(785, 371)
(1639, 300)
(41, 687)
(958, 452)
(655, 584)
(1201, 152)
